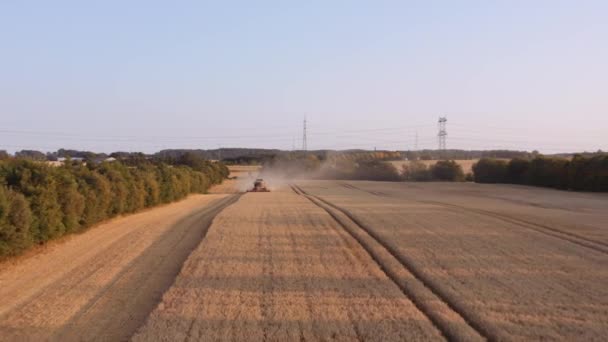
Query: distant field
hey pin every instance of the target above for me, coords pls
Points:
(515, 262)
(237, 169)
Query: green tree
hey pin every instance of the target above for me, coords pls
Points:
(518, 171)
(15, 222)
(118, 189)
(415, 171)
(151, 188)
(447, 170)
(549, 172)
(48, 217)
(376, 170)
(97, 193)
(488, 170)
(37, 183)
(71, 201)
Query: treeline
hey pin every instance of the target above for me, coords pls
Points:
(345, 165)
(265, 156)
(376, 170)
(360, 167)
(466, 154)
(580, 173)
(348, 169)
(442, 170)
(260, 156)
(39, 203)
(253, 155)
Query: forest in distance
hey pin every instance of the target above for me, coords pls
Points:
(257, 156)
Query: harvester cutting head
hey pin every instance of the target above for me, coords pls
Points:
(259, 186)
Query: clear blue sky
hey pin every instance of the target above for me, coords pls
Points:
(147, 75)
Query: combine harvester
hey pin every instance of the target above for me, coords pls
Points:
(259, 186)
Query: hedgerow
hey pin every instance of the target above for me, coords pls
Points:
(39, 202)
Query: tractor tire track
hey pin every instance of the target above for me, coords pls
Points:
(582, 241)
(447, 315)
(151, 277)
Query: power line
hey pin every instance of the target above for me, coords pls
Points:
(71, 135)
(391, 138)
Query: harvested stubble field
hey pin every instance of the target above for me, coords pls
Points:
(518, 263)
(322, 260)
(275, 266)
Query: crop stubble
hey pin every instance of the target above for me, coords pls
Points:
(274, 266)
(488, 262)
(452, 323)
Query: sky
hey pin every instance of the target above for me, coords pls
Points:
(151, 75)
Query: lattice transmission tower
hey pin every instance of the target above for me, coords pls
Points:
(442, 135)
(304, 140)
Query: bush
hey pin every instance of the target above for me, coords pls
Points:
(376, 170)
(71, 202)
(15, 222)
(517, 171)
(488, 170)
(447, 170)
(549, 172)
(416, 171)
(588, 173)
(96, 190)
